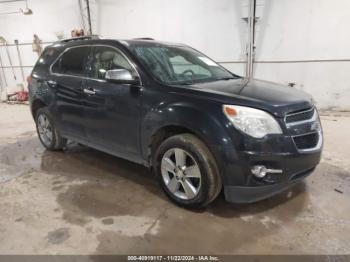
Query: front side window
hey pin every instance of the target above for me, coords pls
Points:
(107, 58)
(179, 64)
(72, 62)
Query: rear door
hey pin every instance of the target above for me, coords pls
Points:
(69, 74)
(112, 110)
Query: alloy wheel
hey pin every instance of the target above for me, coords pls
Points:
(45, 129)
(181, 173)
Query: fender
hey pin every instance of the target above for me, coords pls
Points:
(201, 120)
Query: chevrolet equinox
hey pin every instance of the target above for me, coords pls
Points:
(199, 127)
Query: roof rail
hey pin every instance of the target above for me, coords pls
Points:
(143, 38)
(87, 37)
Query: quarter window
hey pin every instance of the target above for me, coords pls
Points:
(107, 58)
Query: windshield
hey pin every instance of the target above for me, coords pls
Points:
(180, 65)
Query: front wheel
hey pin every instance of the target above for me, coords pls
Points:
(47, 132)
(187, 171)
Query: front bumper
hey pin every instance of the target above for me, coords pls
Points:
(241, 194)
(246, 188)
(274, 152)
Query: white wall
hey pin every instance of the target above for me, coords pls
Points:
(212, 26)
(287, 30)
(307, 30)
(49, 17)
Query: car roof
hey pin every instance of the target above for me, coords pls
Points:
(146, 42)
(92, 40)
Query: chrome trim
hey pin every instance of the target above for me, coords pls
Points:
(88, 91)
(274, 171)
(90, 78)
(119, 74)
(52, 83)
(316, 148)
(298, 113)
(305, 134)
(312, 119)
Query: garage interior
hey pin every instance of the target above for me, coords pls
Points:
(82, 201)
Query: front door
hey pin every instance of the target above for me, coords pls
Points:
(112, 110)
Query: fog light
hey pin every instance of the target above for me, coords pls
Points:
(259, 171)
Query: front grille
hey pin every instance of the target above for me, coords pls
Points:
(300, 116)
(306, 141)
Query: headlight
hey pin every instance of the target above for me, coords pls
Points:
(254, 122)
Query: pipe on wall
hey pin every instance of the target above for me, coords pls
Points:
(251, 39)
(89, 16)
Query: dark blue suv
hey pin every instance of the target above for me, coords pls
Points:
(199, 127)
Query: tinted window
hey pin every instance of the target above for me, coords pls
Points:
(107, 58)
(72, 62)
(46, 56)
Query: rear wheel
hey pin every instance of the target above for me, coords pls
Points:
(187, 171)
(47, 132)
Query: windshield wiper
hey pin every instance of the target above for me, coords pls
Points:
(198, 81)
(226, 78)
(186, 83)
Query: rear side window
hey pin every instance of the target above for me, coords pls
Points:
(72, 62)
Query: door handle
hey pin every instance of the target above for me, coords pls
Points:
(89, 91)
(52, 83)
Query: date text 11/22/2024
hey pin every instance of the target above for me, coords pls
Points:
(173, 258)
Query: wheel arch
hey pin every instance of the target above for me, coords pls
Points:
(199, 121)
(167, 131)
(36, 105)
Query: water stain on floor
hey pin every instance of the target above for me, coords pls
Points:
(121, 205)
(58, 236)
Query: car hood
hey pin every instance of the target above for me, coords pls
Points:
(274, 98)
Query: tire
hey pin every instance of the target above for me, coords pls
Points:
(51, 142)
(178, 174)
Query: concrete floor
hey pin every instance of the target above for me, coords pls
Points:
(82, 201)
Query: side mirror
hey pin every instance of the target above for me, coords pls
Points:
(121, 76)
